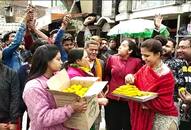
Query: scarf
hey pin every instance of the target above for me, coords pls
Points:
(85, 69)
(147, 80)
(98, 69)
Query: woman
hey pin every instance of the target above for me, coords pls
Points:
(41, 106)
(10, 98)
(159, 113)
(117, 114)
(78, 64)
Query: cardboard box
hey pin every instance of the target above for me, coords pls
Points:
(80, 121)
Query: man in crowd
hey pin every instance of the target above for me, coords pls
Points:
(174, 64)
(68, 42)
(184, 52)
(109, 48)
(97, 67)
(64, 41)
(103, 49)
(8, 38)
(12, 53)
(10, 86)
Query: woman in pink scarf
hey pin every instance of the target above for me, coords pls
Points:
(78, 64)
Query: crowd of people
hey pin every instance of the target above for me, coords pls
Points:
(28, 58)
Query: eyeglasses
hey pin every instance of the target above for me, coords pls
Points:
(183, 47)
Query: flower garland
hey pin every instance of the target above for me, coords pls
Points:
(98, 68)
(85, 69)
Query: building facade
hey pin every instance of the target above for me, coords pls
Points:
(176, 13)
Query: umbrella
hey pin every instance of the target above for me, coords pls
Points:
(137, 28)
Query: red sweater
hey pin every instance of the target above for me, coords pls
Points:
(146, 79)
(116, 70)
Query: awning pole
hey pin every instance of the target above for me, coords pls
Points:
(178, 26)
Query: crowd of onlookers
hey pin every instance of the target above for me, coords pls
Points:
(28, 58)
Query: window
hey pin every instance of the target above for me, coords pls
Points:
(145, 4)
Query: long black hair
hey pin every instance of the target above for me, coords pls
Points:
(133, 46)
(74, 55)
(40, 59)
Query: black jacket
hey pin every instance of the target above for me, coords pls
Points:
(9, 95)
(23, 74)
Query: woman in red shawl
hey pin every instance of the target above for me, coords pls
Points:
(159, 113)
